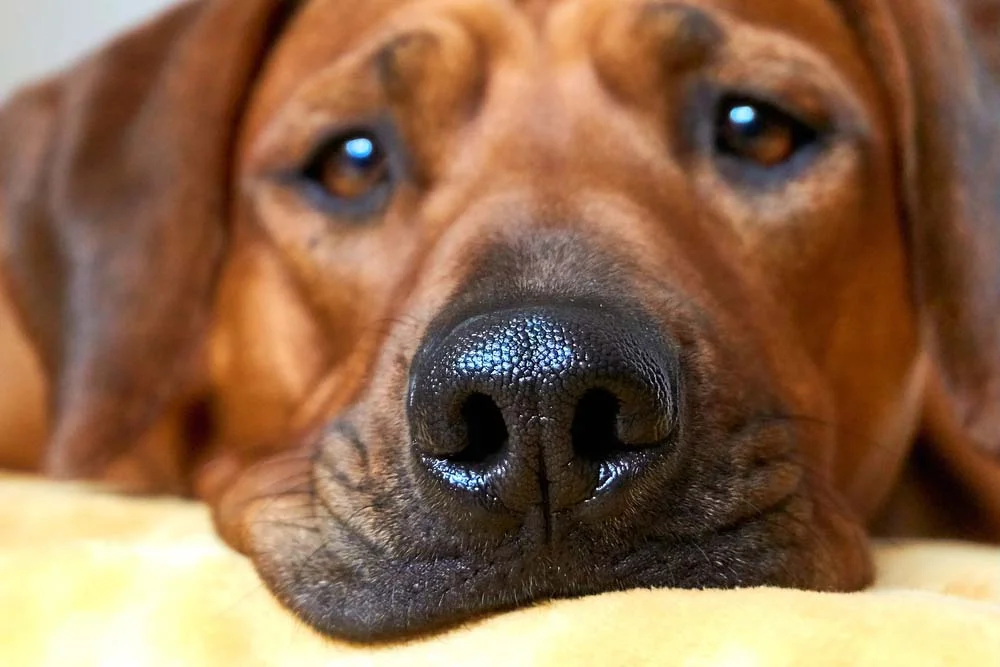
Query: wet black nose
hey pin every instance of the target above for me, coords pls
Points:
(542, 406)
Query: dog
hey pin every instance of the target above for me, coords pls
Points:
(450, 306)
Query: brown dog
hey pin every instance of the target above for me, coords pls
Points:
(447, 306)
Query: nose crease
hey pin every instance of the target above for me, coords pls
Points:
(544, 486)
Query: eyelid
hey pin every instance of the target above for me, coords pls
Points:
(282, 160)
(360, 140)
(827, 103)
(754, 105)
(806, 109)
(298, 175)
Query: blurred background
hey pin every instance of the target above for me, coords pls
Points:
(40, 36)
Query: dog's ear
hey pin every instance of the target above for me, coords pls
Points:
(946, 107)
(944, 103)
(114, 197)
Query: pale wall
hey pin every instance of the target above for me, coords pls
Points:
(38, 36)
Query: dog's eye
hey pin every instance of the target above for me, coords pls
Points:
(759, 132)
(349, 175)
(350, 166)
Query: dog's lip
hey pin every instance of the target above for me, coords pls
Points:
(394, 577)
(401, 596)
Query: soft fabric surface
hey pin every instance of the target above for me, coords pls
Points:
(93, 579)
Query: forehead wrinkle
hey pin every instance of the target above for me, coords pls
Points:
(440, 66)
(397, 64)
(536, 11)
(640, 46)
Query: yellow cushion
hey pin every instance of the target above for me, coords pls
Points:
(88, 578)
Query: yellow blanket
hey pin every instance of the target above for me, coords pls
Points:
(92, 579)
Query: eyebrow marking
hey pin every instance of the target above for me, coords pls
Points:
(685, 36)
(400, 63)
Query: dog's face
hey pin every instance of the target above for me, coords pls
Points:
(447, 307)
(580, 296)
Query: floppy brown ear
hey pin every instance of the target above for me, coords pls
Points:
(947, 111)
(114, 182)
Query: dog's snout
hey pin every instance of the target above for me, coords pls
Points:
(543, 405)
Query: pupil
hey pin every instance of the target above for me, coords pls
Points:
(360, 150)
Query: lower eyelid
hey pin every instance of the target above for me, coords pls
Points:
(356, 210)
(744, 174)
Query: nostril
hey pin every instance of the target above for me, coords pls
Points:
(595, 426)
(486, 431)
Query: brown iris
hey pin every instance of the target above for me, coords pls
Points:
(352, 167)
(759, 132)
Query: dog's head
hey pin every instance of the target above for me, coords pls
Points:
(465, 304)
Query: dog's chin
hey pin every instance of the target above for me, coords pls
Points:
(346, 586)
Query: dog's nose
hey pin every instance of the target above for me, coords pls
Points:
(542, 406)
